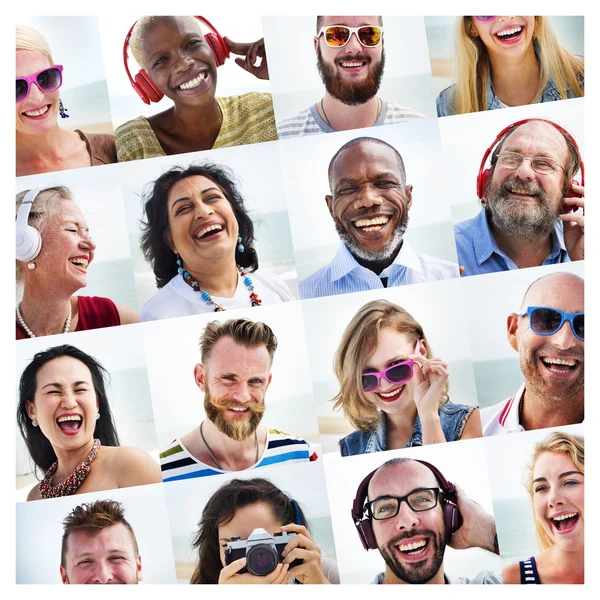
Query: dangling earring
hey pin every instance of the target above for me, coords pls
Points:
(34, 422)
(240, 245)
(179, 265)
(31, 266)
(62, 110)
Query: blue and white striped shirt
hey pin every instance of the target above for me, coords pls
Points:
(176, 462)
(344, 275)
(309, 121)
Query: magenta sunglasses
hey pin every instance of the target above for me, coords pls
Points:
(398, 373)
(47, 80)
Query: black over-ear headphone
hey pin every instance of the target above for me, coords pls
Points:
(452, 517)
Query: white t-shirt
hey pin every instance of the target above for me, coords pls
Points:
(502, 417)
(178, 299)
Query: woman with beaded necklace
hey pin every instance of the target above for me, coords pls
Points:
(59, 269)
(65, 420)
(200, 242)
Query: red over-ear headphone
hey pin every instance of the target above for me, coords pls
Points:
(483, 175)
(452, 517)
(145, 87)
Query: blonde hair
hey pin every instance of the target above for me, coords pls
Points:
(556, 442)
(43, 208)
(473, 70)
(142, 25)
(359, 341)
(28, 38)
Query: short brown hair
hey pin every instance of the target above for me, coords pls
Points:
(93, 517)
(243, 331)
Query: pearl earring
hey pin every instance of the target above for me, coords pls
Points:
(34, 422)
(97, 416)
(31, 266)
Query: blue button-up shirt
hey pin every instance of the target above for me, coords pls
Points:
(478, 251)
(344, 275)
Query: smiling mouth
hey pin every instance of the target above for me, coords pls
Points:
(209, 231)
(370, 225)
(510, 34)
(37, 113)
(82, 263)
(416, 550)
(560, 365)
(351, 64)
(69, 423)
(193, 83)
(565, 522)
(391, 396)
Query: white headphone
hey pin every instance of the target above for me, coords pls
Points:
(29, 240)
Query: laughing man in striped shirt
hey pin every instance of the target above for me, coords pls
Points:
(369, 204)
(234, 375)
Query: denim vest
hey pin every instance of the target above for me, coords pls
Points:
(452, 418)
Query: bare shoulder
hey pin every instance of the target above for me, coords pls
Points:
(127, 314)
(512, 573)
(34, 493)
(472, 427)
(133, 466)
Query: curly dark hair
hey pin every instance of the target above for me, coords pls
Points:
(156, 220)
(40, 449)
(221, 508)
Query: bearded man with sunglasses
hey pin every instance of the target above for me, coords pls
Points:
(350, 60)
(548, 334)
(532, 211)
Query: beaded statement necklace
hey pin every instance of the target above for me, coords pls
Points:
(73, 482)
(187, 277)
(30, 333)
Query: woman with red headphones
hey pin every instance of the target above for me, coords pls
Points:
(180, 61)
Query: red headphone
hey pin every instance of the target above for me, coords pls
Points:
(483, 176)
(145, 87)
(452, 517)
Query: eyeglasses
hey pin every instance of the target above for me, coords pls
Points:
(337, 36)
(485, 18)
(388, 507)
(47, 80)
(398, 373)
(540, 164)
(544, 320)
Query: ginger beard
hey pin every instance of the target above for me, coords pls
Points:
(520, 218)
(352, 93)
(241, 427)
(415, 572)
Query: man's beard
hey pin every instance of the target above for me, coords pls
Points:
(415, 572)
(240, 428)
(522, 219)
(379, 257)
(352, 93)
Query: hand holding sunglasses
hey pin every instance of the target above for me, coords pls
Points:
(47, 80)
(430, 379)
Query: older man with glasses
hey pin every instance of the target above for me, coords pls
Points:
(532, 211)
(350, 59)
(548, 334)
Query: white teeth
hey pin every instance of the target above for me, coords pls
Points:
(414, 546)
(188, 85)
(204, 231)
(559, 361)
(521, 192)
(68, 418)
(82, 262)
(563, 517)
(351, 64)
(390, 394)
(238, 409)
(509, 31)
(371, 222)
(37, 113)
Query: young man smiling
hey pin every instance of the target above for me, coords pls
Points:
(235, 374)
(350, 60)
(369, 204)
(548, 333)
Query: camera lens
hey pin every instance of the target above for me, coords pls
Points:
(261, 560)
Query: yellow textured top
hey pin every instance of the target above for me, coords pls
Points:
(247, 119)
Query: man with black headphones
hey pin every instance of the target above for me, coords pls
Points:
(409, 512)
(532, 211)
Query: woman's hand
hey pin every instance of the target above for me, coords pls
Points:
(303, 546)
(573, 222)
(229, 574)
(430, 376)
(251, 52)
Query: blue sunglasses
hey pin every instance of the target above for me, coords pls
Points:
(544, 320)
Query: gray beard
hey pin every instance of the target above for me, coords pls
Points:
(506, 214)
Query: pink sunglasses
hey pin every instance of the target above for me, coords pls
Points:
(47, 80)
(485, 18)
(398, 373)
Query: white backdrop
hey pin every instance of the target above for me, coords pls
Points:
(462, 463)
(40, 530)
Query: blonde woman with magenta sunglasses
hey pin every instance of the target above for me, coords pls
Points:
(392, 388)
(509, 61)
